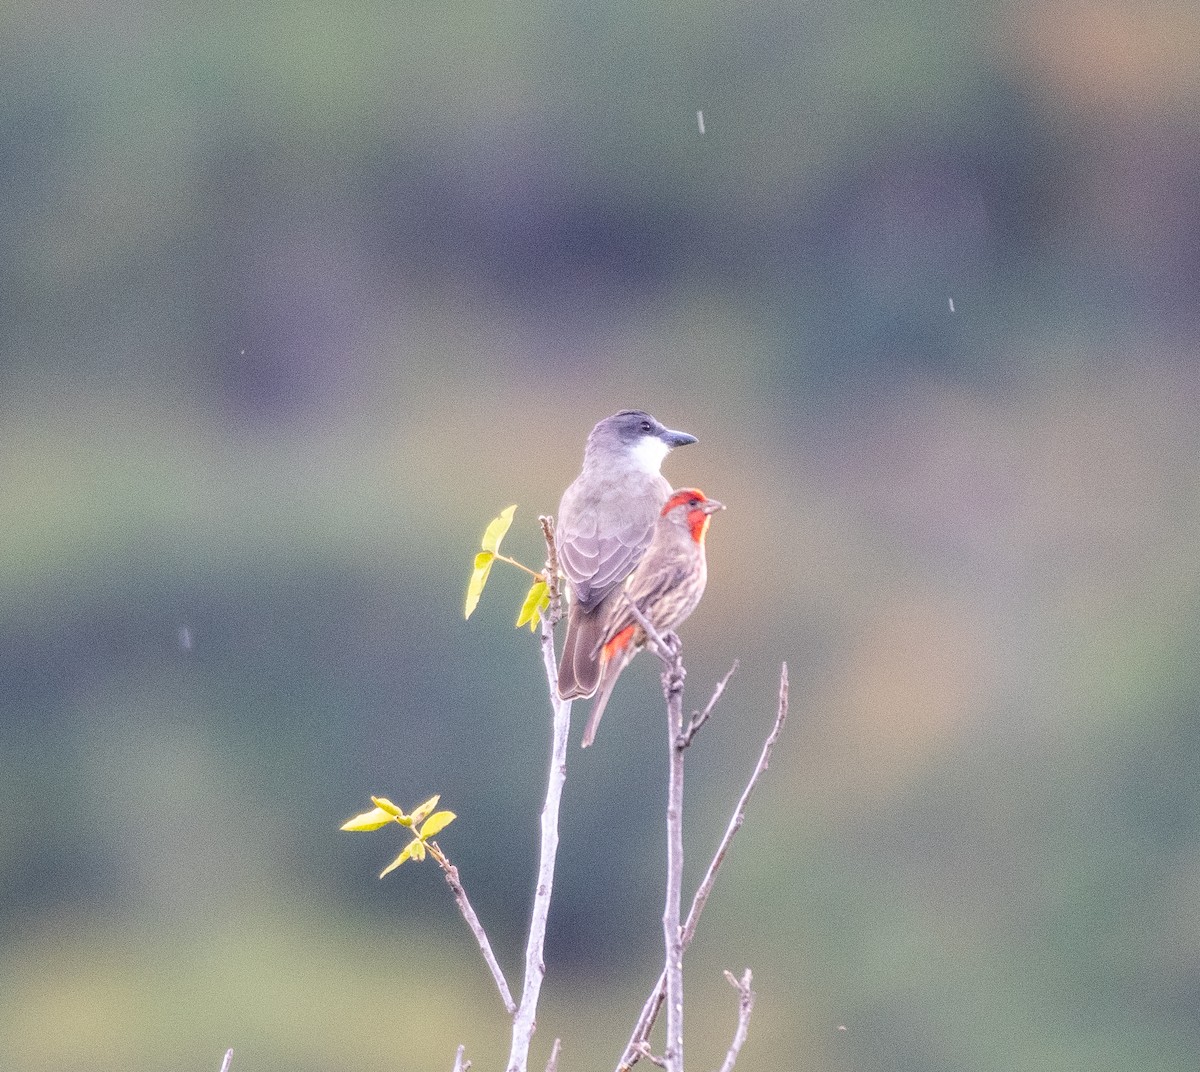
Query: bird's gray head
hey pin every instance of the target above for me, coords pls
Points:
(637, 436)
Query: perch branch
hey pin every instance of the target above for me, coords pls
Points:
(672, 679)
(525, 1021)
(670, 651)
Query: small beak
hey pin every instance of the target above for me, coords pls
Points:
(711, 506)
(676, 439)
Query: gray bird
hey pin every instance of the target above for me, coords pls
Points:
(605, 522)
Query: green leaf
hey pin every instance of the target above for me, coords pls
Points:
(478, 580)
(388, 806)
(437, 822)
(408, 853)
(419, 814)
(496, 530)
(537, 599)
(369, 820)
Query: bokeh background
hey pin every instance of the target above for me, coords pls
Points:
(296, 297)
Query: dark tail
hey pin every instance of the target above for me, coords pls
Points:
(608, 679)
(579, 665)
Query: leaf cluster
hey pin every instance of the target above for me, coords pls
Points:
(424, 822)
(537, 600)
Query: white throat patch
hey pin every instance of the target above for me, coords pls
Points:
(649, 452)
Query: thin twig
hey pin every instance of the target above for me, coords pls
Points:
(228, 1062)
(745, 1008)
(459, 1064)
(700, 717)
(525, 1021)
(645, 1051)
(552, 1064)
(663, 648)
(739, 814)
(672, 681)
(641, 1030)
(520, 565)
(468, 913)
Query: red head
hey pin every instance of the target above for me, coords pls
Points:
(698, 509)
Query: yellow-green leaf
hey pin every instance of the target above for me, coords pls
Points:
(437, 822)
(536, 600)
(388, 806)
(419, 814)
(408, 853)
(497, 528)
(369, 820)
(478, 580)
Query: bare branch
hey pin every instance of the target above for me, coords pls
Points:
(461, 1065)
(641, 1030)
(745, 1008)
(552, 1064)
(525, 1022)
(468, 913)
(672, 681)
(700, 717)
(228, 1062)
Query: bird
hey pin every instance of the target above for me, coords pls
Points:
(666, 587)
(605, 522)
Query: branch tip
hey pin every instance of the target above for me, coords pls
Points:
(745, 1008)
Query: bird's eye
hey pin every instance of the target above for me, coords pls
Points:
(646, 426)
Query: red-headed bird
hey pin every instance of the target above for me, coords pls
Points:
(666, 587)
(605, 522)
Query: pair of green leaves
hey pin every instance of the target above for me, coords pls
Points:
(423, 821)
(537, 600)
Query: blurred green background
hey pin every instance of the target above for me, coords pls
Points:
(295, 298)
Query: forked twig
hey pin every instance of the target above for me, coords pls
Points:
(645, 1022)
(700, 717)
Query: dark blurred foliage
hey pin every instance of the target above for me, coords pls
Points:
(294, 299)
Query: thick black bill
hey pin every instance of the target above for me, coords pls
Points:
(676, 439)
